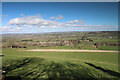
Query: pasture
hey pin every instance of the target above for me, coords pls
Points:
(19, 64)
(46, 65)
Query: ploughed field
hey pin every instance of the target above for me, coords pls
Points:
(34, 65)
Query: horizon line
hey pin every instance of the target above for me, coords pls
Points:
(53, 32)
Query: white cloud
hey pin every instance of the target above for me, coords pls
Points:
(36, 20)
(57, 18)
(4, 28)
(31, 22)
(52, 17)
(9, 29)
(15, 29)
(75, 21)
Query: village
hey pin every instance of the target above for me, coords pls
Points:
(25, 43)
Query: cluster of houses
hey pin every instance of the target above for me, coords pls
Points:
(14, 46)
(25, 43)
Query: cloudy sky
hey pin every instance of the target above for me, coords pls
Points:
(37, 17)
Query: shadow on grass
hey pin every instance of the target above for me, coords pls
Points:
(14, 65)
(1, 55)
(110, 72)
(47, 70)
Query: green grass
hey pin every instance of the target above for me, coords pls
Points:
(87, 46)
(35, 65)
(83, 46)
(57, 47)
(102, 39)
(109, 48)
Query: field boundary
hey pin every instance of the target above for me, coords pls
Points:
(68, 50)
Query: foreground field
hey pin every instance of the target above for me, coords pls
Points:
(36, 65)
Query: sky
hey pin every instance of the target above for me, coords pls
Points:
(37, 17)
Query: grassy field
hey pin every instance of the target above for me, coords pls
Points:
(57, 65)
(19, 64)
(109, 48)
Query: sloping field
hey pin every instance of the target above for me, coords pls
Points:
(35, 65)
